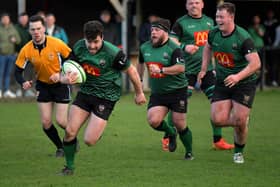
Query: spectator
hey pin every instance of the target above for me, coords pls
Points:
(42, 14)
(110, 29)
(276, 42)
(55, 30)
(270, 24)
(145, 29)
(22, 28)
(118, 20)
(257, 31)
(9, 37)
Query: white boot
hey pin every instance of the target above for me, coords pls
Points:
(9, 94)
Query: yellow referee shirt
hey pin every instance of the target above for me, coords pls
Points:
(45, 62)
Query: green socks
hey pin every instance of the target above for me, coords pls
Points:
(217, 132)
(69, 151)
(168, 129)
(186, 138)
(238, 148)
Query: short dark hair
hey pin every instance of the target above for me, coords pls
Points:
(4, 14)
(36, 18)
(229, 7)
(23, 14)
(92, 29)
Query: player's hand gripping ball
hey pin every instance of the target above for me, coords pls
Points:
(72, 66)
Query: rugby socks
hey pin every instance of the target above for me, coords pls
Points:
(186, 138)
(169, 119)
(69, 151)
(166, 128)
(238, 148)
(53, 136)
(169, 122)
(217, 132)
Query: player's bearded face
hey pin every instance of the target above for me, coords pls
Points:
(95, 45)
(157, 36)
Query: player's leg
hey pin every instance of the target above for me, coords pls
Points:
(178, 105)
(156, 120)
(94, 130)
(240, 117)
(191, 81)
(61, 120)
(184, 132)
(61, 95)
(45, 109)
(165, 138)
(207, 86)
(77, 116)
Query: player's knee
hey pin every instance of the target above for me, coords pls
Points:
(154, 122)
(91, 141)
(241, 121)
(46, 123)
(61, 121)
(219, 120)
(70, 133)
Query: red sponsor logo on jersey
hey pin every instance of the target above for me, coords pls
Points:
(155, 75)
(92, 70)
(224, 59)
(201, 37)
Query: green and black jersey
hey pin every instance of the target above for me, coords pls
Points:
(229, 52)
(103, 70)
(165, 55)
(189, 30)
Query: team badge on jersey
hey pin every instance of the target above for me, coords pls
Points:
(102, 62)
(234, 46)
(51, 56)
(165, 55)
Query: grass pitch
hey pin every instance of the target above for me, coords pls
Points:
(129, 153)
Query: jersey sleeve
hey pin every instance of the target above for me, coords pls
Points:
(177, 57)
(176, 31)
(21, 61)
(248, 46)
(121, 62)
(64, 50)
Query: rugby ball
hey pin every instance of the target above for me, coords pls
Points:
(72, 66)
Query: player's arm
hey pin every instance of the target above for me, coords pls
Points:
(252, 57)
(206, 59)
(177, 67)
(254, 63)
(21, 62)
(19, 78)
(177, 33)
(122, 64)
(66, 55)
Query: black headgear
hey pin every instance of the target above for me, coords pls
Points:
(162, 23)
